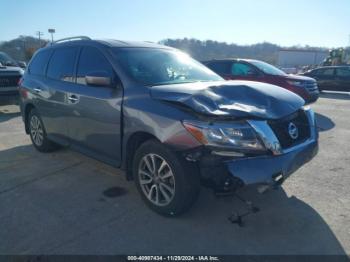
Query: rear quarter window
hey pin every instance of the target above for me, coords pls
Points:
(38, 64)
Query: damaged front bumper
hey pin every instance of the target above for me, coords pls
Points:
(272, 169)
(275, 168)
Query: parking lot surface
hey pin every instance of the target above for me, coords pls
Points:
(66, 203)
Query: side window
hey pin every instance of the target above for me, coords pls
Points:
(316, 72)
(241, 69)
(343, 72)
(92, 61)
(61, 65)
(327, 72)
(221, 68)
(38, 64)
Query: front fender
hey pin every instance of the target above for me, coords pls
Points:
(158, 119)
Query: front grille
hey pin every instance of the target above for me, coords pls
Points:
(311, 86)
(6, 81)
(281, 129)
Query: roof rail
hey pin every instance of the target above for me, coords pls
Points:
(74, 38)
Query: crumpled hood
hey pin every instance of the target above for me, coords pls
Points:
(232, 98)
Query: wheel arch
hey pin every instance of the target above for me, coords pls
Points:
(132, 144)
(27, 110)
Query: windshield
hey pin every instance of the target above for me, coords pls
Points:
(160, 67)
(7, 60)
(267, 68)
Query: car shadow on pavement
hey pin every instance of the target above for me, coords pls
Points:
(323, 122)
(68, 192)
(6, 114)
(284, 225)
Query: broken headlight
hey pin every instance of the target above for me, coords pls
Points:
(238, 136)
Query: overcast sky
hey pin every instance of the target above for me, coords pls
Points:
(290, 22)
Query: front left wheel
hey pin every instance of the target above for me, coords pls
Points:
(167, 183)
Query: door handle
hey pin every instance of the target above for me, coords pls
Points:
(37, 90)
(73, 98)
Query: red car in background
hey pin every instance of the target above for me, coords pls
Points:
(254, 70)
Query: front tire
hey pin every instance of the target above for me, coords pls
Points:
(167, 183)
(38, 134)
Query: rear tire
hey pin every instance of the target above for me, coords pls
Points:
(167, 183)
(38, 134)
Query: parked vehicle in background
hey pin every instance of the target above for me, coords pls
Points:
(166, 119)
(10, 75)
(290, 70)
(333, 78)
(7, 60)
(254, 70)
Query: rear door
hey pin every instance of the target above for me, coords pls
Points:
(35, 77)
(325, 78)
(59, 81)
(342, 79)
(95, 125)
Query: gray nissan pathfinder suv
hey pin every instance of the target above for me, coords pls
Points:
(166, 119)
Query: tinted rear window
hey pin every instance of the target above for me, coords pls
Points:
(39, 62)
(61, 65)
(220, 67)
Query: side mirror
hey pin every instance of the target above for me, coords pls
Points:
(22, 64)
(98, 79)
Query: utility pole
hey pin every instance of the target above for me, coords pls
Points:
(39, 34)
(23, 40)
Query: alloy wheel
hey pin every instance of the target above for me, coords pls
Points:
(36, 131)
(156, 179)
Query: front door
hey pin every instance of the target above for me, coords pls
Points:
(244, 71)
(95, 127)
(325, 78)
